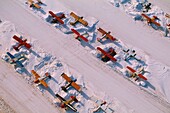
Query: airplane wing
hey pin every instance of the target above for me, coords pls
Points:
(141, 76)
(68, 79)
(105, 53)
(44, 83)
(75, 31)
(102, 31)
(76, 86)
(37, 6)
(85, 23)
(17, 39)
(35, 74)
(78, 34)
(56, 17)
(110, 37)
(74, 15)
(30, 2)
(148, 18)
(10, 55)
(133, 71)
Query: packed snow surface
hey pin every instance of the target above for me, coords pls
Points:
(55, 50)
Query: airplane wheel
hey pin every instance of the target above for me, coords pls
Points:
(63, 88)
(62, 106)
(74, 98)
(49, 76)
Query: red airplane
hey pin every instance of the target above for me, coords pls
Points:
(107, 55)
(57, 18)
(21, 43)
(151, 20)
(105, 35)
(135, 74)
(79, 36)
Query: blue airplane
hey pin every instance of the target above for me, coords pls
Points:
(15, 60)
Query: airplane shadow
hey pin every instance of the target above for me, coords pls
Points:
(125, 1)
(148, 84)
(118, 65)
(51, 91)
(87, 44)
(117, 44)
(40, 10)
(42, 4)
(52, 78)
(26, 72)
(93, 27)
(85, 95)
(94, 37)
(34, 53)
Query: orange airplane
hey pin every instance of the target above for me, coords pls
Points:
(105, 35)
(33, 4)
(41, 80)
(70, 83)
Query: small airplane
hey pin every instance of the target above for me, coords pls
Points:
(15, 60)
(21, 43)
(78, 19)
(79, 37)
(151, 20)
(107, 55)
(130, 53)
(41, 80)
(105, 35)
(70, 83)
(57, 18)
(135, 74)
(35, 5)
(67, 103)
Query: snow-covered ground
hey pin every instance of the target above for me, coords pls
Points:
(55, 50)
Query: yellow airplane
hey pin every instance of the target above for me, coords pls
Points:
(41, 80)
(33, 4)
(78, 19)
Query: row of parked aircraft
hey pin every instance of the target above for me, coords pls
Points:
(41, 80)
(107, 55)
